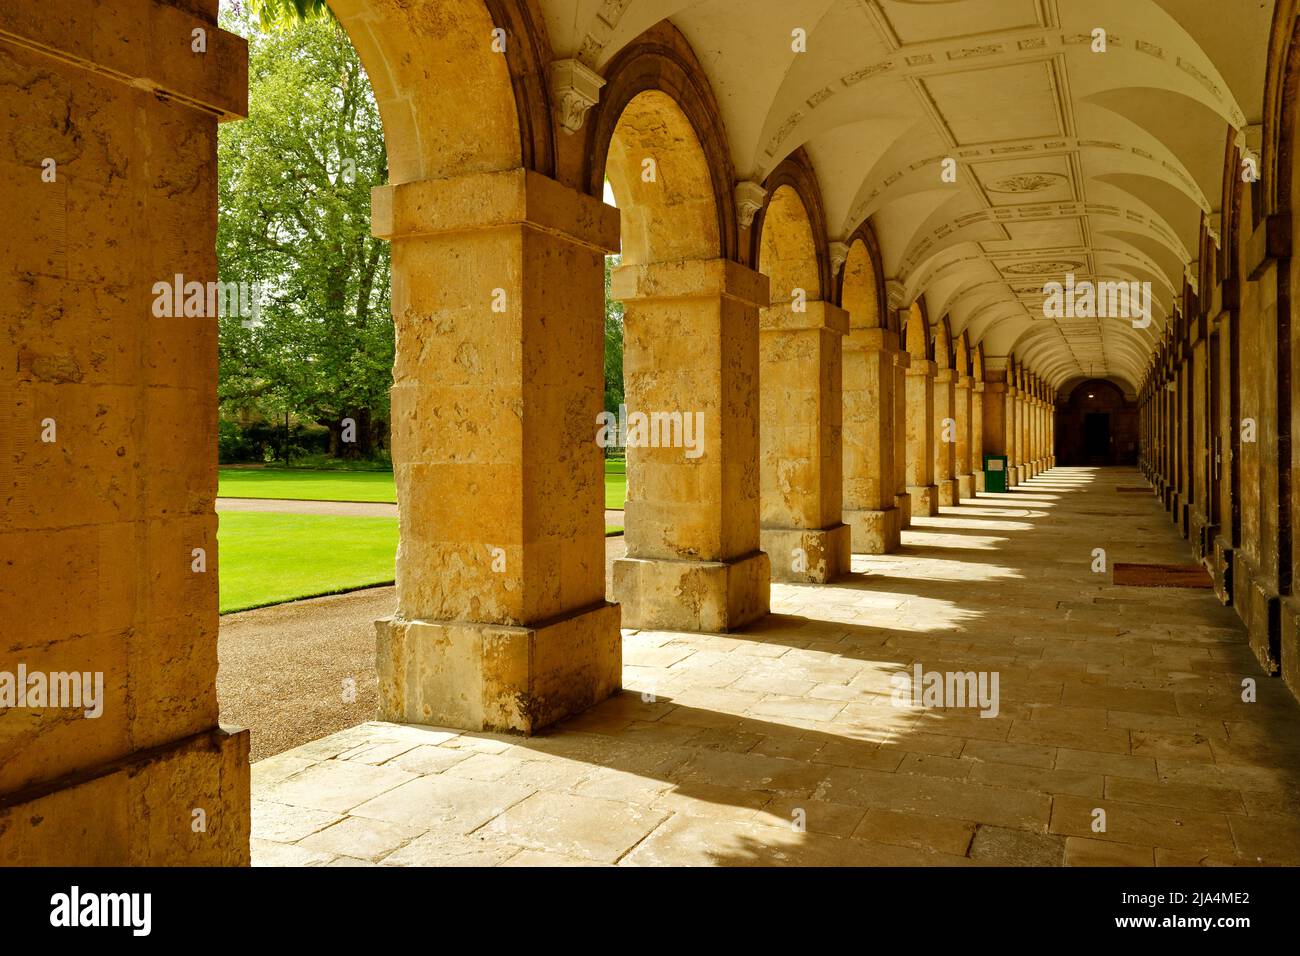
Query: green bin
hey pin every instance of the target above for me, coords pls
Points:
(995, 472)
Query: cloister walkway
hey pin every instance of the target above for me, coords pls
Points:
(781, 744)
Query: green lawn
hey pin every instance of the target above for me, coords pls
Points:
(304, 484)
(270, 558)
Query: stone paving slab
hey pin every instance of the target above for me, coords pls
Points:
(781, 744)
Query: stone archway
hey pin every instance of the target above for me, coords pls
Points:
(690, 356)
(801, 392)
(870, 439)
(919, 444)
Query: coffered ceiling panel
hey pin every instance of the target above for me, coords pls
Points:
(996, 105)
(919, 21)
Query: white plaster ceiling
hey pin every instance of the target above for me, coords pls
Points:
(1099, 163)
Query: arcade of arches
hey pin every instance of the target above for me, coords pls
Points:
(835, 232)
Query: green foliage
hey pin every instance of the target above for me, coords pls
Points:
(280, 14)
(294, 191)
(613, 344)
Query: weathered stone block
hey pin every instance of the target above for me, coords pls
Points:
(712, 596)
(947, 492)
(875, 532)
(138, 811)
(809, 556)
(925, 499)
(497, 677)
(903, 502)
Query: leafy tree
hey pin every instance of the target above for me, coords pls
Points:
(613, 344)
(294, 192)
(282, 13)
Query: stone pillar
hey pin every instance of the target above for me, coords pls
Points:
(1019, 468)
(1049, 424)
(902, 499)
(945, 437)
(921, 437)
(977, 434)
(1032, 425)
(691, 345)
(501, 620)
(1010, 424)
(108, 421)
(962, 449)
(801, 442)
(870, 475)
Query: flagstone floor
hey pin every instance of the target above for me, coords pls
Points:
(1121, 737)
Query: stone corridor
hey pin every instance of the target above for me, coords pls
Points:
(1123, 699)
(887, 258)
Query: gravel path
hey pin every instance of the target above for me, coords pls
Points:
(292, 506)
(351, 509)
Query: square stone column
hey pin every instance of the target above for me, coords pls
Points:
(498, 299)
(962, 449)
(801, 442)
(1018, 429)
(902, 499)
(977, 434)
(1010, 426)
(108, 425)
(1029, 436)
(921, 437)
(692, 520)
(945, 436)
(870, 474)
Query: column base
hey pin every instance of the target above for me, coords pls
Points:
(1259, 608)
(139, 810)
(875, 532)
(903, 503)
(965, 487)
(1289, 645)
(824, 554)
(979, 482)
(925, 499)
(713, 596)
(1221, 569)
(947, 492)
(497, 677)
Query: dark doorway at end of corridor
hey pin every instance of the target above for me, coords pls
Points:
(1096, 425)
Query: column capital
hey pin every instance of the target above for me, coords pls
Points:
(750, 197)
(815, 315)
(479, 201)
(576, 88)
(876, 339)
(839, 253)
(690, 279)
(147, 47)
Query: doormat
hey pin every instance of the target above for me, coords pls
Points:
(1132, 490)
(1161, 576)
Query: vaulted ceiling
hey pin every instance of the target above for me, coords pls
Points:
(1068, 160)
